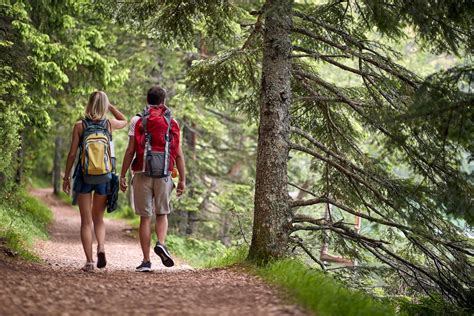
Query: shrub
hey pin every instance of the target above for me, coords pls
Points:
(22, 219)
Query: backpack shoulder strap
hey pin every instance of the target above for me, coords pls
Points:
(108, 127)
(85, 125)
(167, 117)
(148, 139)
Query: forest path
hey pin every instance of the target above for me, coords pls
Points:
(60, 288)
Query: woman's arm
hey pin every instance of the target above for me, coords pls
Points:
(76, 134)
(120, 120)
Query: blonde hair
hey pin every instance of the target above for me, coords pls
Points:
(97, 106)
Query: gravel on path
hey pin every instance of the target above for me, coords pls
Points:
(58, 287)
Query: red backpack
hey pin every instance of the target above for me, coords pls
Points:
(157, 142)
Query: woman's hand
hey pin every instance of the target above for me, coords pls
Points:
(67, 185)
(120, 120)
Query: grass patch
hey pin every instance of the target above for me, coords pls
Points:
(38, 182)
(320, 293)
(195, 251)
(430, 306)
(229, 257)
(23, 219)
(312, 289)
(66, 198)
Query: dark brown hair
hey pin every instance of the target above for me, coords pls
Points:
(156, 95)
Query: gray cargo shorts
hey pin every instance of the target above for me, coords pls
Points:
(151, 195)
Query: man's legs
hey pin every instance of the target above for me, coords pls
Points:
(161, 227)
(162, 191)
(144, 232)
(142, 199)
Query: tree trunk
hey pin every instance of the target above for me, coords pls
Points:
(190, 137)
(20, 154)
(272, 215)
(58, 144)
(225, 230)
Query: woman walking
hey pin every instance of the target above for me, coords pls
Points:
(92, 136)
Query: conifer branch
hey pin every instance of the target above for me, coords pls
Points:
(403, 228)
(340, 229)
(299, 242)
(320, 146)
(302, 74)
(384, 65)
(328, 59)
(317, 97)
(339, 167)
(415, 156)
(308, 219)
(318, 56)
(301, 189)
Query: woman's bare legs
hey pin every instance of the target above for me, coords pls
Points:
(98, 208)
(84, 200)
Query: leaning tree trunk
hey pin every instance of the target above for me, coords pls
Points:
(272, 213)
(58, 144)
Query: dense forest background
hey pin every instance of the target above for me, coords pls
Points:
(379, 182)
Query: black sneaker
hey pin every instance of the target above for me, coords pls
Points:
(164, 254)
(144, 267)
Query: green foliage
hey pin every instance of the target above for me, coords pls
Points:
(68, 55)
(37, 182)
(195, 251)
(320, 293)
(22, 220)
(430, 306)
(235, 78)
(177, 21)
(442, 26)
(231, 256)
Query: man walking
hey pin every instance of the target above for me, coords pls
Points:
(154, 146)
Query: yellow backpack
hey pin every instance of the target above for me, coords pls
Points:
(96, 152)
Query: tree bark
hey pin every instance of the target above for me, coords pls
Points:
(20, 154)
(272, 215)
(58, 142)
(190, 137)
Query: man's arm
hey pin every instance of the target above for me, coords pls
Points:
(182, 172)
(127, 161)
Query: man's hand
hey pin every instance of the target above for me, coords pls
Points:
(181, 187)
(123, 184)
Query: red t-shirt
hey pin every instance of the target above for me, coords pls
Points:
(156, 126)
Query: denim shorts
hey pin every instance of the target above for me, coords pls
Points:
(80, 186)
(101, 188)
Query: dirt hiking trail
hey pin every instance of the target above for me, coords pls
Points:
(58, 287)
